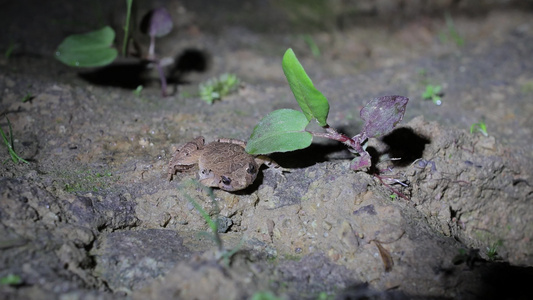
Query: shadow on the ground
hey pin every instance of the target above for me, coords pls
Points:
(497, 280)
(309, 156)
(500, 280)
(407, 145)
(190, 60)
(129, 75)
(122, 75)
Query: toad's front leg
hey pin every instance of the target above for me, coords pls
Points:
(271, 164)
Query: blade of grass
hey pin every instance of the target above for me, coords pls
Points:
(10, 144)
(212, 224)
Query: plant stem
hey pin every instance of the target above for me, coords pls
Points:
(162, 78)
(391, 188)
(126, 27)
(332, 134)
(151, 49)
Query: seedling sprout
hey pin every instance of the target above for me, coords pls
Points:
(312, 45)
(433, 93)
(492, 251)
(138, 90)
(481, 127)
(218, 88)
(28, 97)
(10, 279)
(451, 33)
(159, 25)
(95, 49)
(9, 50)
(285, 129)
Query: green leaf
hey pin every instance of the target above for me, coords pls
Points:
(92, 49)
(280, 131)
(313, 103)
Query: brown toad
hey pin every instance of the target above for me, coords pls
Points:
(222, 163)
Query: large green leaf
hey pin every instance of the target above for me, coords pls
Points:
(313, 103)
(280, 131)
(92, 49)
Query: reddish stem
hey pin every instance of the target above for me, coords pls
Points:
(391, 188)
(332, 134)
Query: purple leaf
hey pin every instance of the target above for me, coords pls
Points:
(362, 162)
(382, 114)
(160, 22)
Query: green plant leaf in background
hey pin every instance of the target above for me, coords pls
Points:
(92, 49)
(10, 279)
(280, 131)
(313, 103)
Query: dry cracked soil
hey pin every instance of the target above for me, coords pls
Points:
(93, 216)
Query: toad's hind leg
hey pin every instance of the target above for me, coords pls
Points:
(185, 157)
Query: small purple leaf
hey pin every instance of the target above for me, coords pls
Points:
(382, 114)
(361, 163)
(160, 22)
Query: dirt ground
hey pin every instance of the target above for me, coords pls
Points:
(93, 216)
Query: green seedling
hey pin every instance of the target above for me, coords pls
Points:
(393, 197)
(264, 296)
(28, 97)
(480, 127)
(325, 296)
(9, 50)
(285, 129)
(312, 45)
(138, 91)
(492, 250)
(218, 88)
(433, 93)
(451, 33)
(10, 144)
(11, 279)
(95, 48)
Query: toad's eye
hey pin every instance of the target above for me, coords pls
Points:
(251, 169)
(226, 180)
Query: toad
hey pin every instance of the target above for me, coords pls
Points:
(223, 163)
